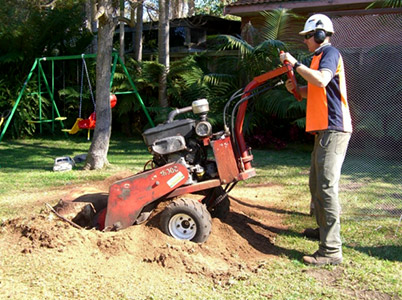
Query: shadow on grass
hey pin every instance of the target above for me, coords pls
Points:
(389, 252)
(272, 209)
(258, 235)
(255, 233)
(36, 154)
(16, 155)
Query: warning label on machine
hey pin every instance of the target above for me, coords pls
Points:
(175, 179)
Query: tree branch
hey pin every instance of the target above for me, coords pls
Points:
(50, 4)
(129, 22)
(99, 13)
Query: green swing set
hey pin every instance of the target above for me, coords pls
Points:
(55, 115)
(90, 122)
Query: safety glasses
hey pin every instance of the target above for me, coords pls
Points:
(309, 35)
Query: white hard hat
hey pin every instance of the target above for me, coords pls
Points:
(318, 21)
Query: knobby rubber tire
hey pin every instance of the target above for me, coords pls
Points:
(195, 211)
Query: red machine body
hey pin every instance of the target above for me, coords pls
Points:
(181, 167)
(127, 197)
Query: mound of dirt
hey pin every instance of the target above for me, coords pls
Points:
(241, 242)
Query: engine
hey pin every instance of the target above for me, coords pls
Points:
(183, 141)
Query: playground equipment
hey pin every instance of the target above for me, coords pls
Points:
(4, 115)
(55, 115)
(89, 123)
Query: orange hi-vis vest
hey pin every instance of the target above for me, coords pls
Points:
(327, 107)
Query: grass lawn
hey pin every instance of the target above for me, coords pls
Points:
(372, 267)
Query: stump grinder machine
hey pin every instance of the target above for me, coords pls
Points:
(181, 165)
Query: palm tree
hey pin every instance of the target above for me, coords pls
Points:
(388, 3)
(276, 104)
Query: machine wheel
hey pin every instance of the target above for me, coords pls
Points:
(221, 209)
(186, 219)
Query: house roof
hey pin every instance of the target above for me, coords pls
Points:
(248, 2)
(253, 7)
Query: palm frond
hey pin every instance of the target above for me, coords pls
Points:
(216, 79)
(296, 108)
(386, 3)
(276, 103)
(270, 44)
(279, 24)
(69, 92)
(229, 42)
(301, 122)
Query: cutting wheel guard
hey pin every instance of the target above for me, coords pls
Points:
(129, 196)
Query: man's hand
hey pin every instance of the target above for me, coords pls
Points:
(301, 89)
(286, 56)
(319, 78)
(289, 86)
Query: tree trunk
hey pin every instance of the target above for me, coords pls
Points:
(122, 32)
(191, 8)
(91, 24)
(175, 8)
(97, 155)
(138, 33)
(163, 48)
(179, 8)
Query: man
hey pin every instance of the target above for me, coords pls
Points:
(328, 118)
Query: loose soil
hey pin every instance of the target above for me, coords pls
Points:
(51, 257)
(239, 243)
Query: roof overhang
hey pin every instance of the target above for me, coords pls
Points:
(250, 8)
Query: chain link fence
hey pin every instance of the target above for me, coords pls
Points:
(371, 46)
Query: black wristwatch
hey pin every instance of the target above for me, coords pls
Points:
(296, 65)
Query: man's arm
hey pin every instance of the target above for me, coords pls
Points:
(319, 78)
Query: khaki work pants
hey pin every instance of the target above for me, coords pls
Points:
(325, 171)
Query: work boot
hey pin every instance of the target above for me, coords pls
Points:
(312, 233)
(318, 260)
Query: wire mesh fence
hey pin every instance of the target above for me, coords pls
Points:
(371, 183)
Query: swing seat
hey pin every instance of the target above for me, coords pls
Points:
(60, 118)
(88, 123)
(113, 100)
(5, 114)
(75, 127)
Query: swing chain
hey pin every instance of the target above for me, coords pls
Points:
(82, 83)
